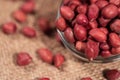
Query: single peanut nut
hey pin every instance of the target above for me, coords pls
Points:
(23, 59)
(103, 22)
(46, 55)
(80, 32)
(104, 46)
(92, 49)
(67, 12)
(115, 51)
(110, 11)
(28, 7)
(115, 26)
(112, 74)
(80, 46)
(82, 19)
(9, 28)
(82, 9)
(104, 30)
(114, 39)
(61, 24)
(105, 54)
(93, 12)
(98, 35)
(69, 35)
(20, 16)
(58, 60)
(101, 3)
(29, 32)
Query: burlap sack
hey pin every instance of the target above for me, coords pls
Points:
(72, 69)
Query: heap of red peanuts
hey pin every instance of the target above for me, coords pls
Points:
(24, 59)
(93, 26)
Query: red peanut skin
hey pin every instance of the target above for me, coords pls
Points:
(58, 60)
(116, 2)
(115, 26)
(82, 9)
(115, 50)
(93, 24)
(112, 74)
(23, 59)
(44, 79)
(104, 46)
(61, 24)
(104, 30)
(82, 19)
(87, 78)
(29, 32)
(65, 2)
(93, 12)
(67, 12)
(20, 16)
(119, 12)
(98, 35)
(103, 22)
(46, 55)
(106, 54)
(101, 3)
(80, 46)
(73, 4)
(9, 28)
(69, 36)
(28, 6)
(92, 49)
(114, 39)
(44, 24)
(93, 1)
(110, 11)
(80, 32)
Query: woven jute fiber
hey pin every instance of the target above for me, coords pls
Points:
(72, 69)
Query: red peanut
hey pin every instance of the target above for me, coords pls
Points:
(46, 55)
(115, 51)
(87, 78)
(104, 46)
(101, 3)
(115, 26)
(73, 4)
(20, 16)
(44, 79)
(29, 32)
(80, 32)
(93, 12)
(58, 60)
(23, 59)
(82, 9)
(98, 35)
(82, 19)
(67, 12)
(116, 2)
(44, 24)
(104, 30)
(112, 74)
(9, 28)
(93, 24)
(110, 11)
(28, 6)
(61, 24)
(69, 35)
(80, 46)
(114, 39)
(92, 49)
(103, 22)
(105, 54)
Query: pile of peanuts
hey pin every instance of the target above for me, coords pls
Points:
(85, 24)
(93, 26)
